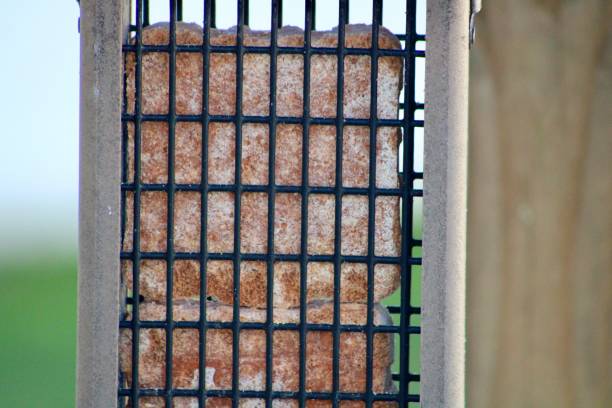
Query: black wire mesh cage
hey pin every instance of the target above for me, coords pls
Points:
(236, 289)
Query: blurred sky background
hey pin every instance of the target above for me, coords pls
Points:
(39, 111)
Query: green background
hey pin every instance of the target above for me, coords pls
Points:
(38, 335)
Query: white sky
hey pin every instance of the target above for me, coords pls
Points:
(39, 77)
(39, 115)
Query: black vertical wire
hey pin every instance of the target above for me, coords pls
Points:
(246, 7)
(124, 180)
(308, 18)
(135, 394)
(147, 13)
(170, 200)
(204, 204)
(271, 200)
(313, 9)
(279, 20)
(237, 198)
(179, 10)
(407, 207)
(124, 150)
(342, 21)
(376, 17)
(213, 14)
(347, 10)
(124, 157)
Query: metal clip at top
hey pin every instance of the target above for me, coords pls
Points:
(475, 6)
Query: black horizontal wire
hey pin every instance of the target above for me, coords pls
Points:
(390, 309)
(230, 325)
(411, 377)
(285, 120)
(254, 188)
(231, 49)
(195, 256)
(345, 396)
(401, 37)
(397, 310)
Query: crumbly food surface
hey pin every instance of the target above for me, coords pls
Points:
(221, 156)
(252, 346)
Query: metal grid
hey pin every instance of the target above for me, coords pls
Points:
(406, 314)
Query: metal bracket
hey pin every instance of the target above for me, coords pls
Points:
(475, 6)
(79, 18)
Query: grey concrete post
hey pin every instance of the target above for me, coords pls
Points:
(102, 30)
(444, 203)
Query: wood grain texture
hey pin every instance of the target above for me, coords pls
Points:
(540, 224)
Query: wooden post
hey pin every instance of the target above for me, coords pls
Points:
(540, 219)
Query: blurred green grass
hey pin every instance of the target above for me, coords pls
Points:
(38, 334)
